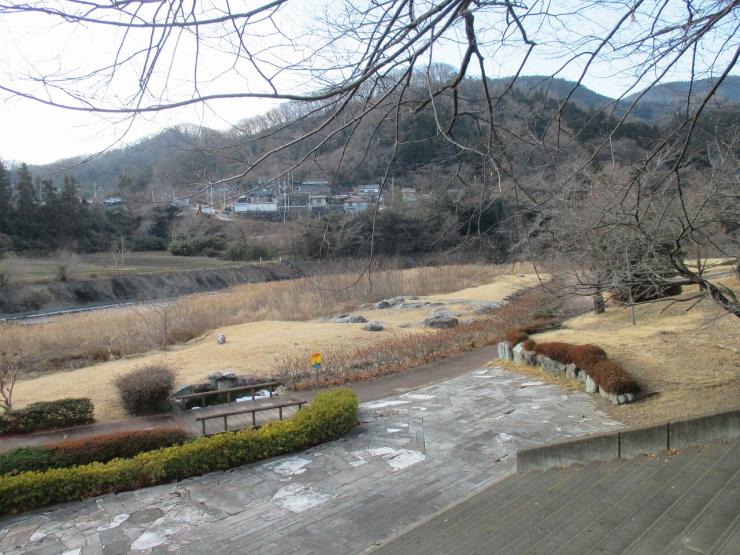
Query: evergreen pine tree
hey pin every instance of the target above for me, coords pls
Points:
(6, 206)
(26, 205)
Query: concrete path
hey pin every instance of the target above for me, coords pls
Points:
(413, 455)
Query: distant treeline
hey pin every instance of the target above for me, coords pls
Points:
(47, 217)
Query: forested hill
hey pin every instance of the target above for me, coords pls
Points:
(173, 160)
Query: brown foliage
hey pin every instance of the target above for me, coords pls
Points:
(555, 350)
(515, 337)
(147, 389)
(612, 378)
(530, 345)
(585, 356)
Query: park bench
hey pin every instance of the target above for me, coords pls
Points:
(269, 386)
(254, 408)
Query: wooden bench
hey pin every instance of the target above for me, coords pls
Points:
(269, 386)
(254, 409)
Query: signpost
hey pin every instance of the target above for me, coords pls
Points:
(316, 360)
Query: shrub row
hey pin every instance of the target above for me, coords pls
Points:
(47, 415)
(607, 374)
(331, 415)
(101, 448)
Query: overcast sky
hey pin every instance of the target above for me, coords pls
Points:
(33, 44)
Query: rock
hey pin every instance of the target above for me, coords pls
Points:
(404, 325)
(440, 322)
(614, 398)
(409, 305)
(570, 371)
(186, 389)
(383, 304)
(373, 326)
(504, 351)
(215, 376)
(220, 339)
(486, 308)
(530, 358)
(518, 353)
(581, 375)
(228, 376)
(442, 312)
(591, 386)
(549, 365)
(351, 319)
(603, 393)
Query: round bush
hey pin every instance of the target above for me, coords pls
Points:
(146, 390)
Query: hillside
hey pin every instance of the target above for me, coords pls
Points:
(178, 158)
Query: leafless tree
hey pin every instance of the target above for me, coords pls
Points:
(364, 66)
(11, 366)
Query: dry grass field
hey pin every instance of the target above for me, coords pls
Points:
(687, 363)
(22, 269)
(278, 322)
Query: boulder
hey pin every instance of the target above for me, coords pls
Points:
(504, 351)
(530, 358)
(518, 353)
(220, 339)
(624, 398)
(440, 322)
(570, 371)
(404, 325)
(383, 304)
(373, 326)
(228, 376)
(486, 308)
(186, 389)
(215, 376)
(351, 319)
(581, 375)
(591, 386)
(549, 365)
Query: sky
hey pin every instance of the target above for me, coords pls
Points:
(35, 45)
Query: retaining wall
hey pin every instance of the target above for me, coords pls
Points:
(629, 443)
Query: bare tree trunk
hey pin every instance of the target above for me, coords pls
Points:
(599, 304)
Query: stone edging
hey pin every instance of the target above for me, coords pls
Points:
(519, 356)
(631, 442)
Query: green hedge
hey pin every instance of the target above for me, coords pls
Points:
(47, 415)
(102, 448)
(331, 415)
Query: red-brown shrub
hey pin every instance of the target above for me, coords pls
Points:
(530, 345)
(116, 445)
(612, 378)
(555, 350)
(538, 325)
(516, 336)
(585, 356)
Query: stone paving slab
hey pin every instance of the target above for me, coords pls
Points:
(412, 455)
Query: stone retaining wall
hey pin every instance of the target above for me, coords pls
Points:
(520, 356)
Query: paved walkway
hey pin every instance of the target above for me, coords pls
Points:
(413, 455)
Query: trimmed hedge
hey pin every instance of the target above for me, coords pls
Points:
(331, 415)
(47, 415)
(101, 448)
(607, 374)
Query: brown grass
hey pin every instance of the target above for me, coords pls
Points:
(78, 340)
(254, 347)
(347, 363)
(687, 362)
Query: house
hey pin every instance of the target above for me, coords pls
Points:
(113, 201)
(258, 203)
(356, 204)
(409, 196)
(370, 191)
(318, 203)
(312, 187)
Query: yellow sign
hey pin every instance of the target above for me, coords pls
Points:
(315, 359)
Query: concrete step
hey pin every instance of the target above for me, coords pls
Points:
(659, 504)
(432, 535)
(684, 523)
(639, 508)
(539, 534)
(729, 543)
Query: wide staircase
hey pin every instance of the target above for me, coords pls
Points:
(687, 502)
